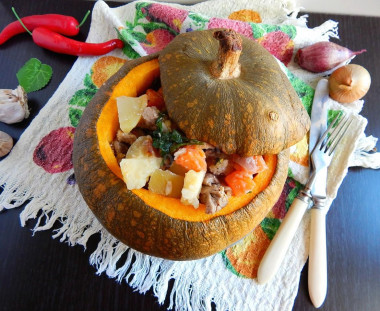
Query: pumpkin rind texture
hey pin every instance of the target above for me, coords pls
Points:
(256, 113)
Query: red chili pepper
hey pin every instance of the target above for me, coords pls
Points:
(65, 25)
(55, 42)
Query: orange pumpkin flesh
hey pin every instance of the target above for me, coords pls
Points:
(151, 223)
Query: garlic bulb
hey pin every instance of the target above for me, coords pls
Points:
(6, 143)
(13, 105)
(349, 83)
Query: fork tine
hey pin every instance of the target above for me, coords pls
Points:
(340, 135)
(322, 138)
(337, 134)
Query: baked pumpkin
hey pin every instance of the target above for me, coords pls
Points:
(148, 222)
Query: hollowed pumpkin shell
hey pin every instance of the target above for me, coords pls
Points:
(135, 217)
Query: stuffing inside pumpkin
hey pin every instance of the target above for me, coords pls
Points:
(154, 154)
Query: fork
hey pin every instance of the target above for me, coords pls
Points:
(321, 158)
(323, 151)
(275, 253)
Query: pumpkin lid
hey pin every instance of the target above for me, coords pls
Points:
(231, 94)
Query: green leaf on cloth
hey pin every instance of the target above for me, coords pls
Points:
(270, 226)
(88, 82)
(82, 97)
(130, 52)
(293, 193)
(229, 265)
(304, 91)
(332, 114)
(80, 100)
(199, 20)
(259, 30)
(34, 75)
(74, 115)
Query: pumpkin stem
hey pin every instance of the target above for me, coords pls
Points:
(227, 64)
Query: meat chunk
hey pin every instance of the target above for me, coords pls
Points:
(121, 143)
(119, 149)
(213, 194)
(213, 197)
(228, 191)
(148, 118)
(221, 167)
(126, 138)
(211, 152)
(138, 132)
(210, 180)
(218, 163)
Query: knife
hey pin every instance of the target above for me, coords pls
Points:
(276, 251)
(317, 269)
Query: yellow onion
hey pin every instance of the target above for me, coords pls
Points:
(349, 83)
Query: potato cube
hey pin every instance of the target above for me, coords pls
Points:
(192, 187)
(166, 183)
(130, 110)
(141, 148)
(136, 172)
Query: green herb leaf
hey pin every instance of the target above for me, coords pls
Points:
(159, 122)
(176, 137)
(169, 142)
(34, 75)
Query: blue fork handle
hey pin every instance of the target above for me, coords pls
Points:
(317, 269)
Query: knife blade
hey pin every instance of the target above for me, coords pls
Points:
(318, 126)
(279, 245)
(317, 269)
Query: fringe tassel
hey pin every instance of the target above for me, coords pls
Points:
(12, 196)
(364, 154)
(327, 30)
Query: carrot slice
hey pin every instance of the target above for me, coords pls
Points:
(191, 158)
(240, 182)
(155, 99)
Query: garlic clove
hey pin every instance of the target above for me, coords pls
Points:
(6, 144)
(23, 99)
(13, 105)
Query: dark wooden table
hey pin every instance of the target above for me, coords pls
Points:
(40, 273)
